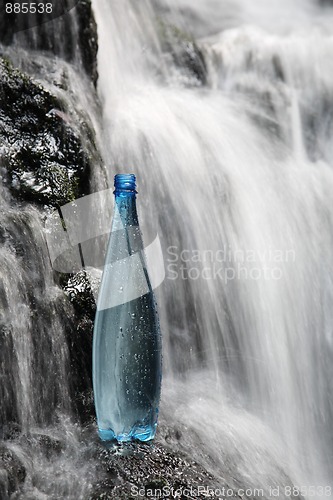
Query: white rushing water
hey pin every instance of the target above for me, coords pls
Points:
(237, 174)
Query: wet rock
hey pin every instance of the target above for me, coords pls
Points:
(146, 471)
(4, 486)
(12, 471)
(47, 445)
(139, 470)
(42, 154)
(8, 365)
(10, 430)
(278, 68)
(79, 289)
(87, 38)
(184, 52)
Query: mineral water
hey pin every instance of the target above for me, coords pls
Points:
(127, 340)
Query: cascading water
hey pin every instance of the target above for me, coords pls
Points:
(34, 359)
(39, 436)
(242, 165)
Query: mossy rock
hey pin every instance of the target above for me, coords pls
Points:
(42, 154)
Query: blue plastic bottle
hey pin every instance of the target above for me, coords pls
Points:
(127, 354)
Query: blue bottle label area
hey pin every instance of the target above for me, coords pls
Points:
(127, 341)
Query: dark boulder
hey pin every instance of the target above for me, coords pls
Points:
(42, 154)
(142, 470)
(185, 53)
(79, 290)
(12, 472)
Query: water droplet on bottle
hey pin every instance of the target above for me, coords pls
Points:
(121, 288)
(121, 329)
(133, 315)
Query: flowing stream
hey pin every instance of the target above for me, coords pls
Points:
(234, 162)
(237, 174)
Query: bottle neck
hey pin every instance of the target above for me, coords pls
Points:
(125, 214)
(125, 237)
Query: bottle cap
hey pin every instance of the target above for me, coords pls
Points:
(125, 182)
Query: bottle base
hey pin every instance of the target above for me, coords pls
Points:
(142, 433)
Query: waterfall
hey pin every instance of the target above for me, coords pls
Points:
(222, 108)
(235, 176)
